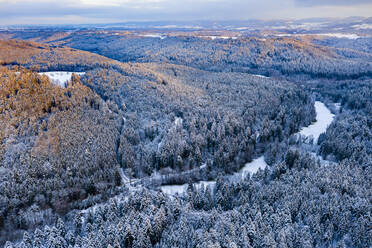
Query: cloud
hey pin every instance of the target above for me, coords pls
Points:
(98, 11)
(310, 3)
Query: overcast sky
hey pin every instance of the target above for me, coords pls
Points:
(104, 11)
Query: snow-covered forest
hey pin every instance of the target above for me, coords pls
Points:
(184, 141)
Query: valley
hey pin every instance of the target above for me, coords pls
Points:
(323, 119)
(239, 135)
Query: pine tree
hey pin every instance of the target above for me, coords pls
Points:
(27, 240)
(38, 238)
(61, 227)
(8, 244)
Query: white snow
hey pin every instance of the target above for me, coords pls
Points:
(336, 35)
(341, 35)
(181, 189)
(283, 35)
(252, 167)
(363, 26)
(205, 184)
(203, 166)
(242, 28)
(213, 37)
(249, 168)
(60, 77)
(338, 106)
(261, 76)
(324, 118)
(306, 25)
(178, 26)
(178, 121)
(174, 189)
(162, 37)
(124, 179)
(321, 160)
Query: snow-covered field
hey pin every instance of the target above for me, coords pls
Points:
(181, 189)
(335, 35)
(324, 118)
(219, 37)
(178, 26)
(363, 26)
(174, 189)
(162, 37)
(258, 75)
(341, 35)
(60, 77)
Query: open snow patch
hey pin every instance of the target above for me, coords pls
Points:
(258, 75)
(341, 35)
(213, 37)
(60, 77)
(162, 37)
(363, 26)
(181, 189)
(174, 189)
(333, 35)
(178, 121)
(203, 166)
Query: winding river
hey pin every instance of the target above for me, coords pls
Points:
(324, 118)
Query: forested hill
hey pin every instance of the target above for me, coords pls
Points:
(296, 57)
(65, 148)
(43, 57)
(185, 116)
(82, 163)
(272, 56)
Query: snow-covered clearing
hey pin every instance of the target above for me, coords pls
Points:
(307, 25)
(60, 77)
(203, 166)
(213, 37)
(174, 189)
(162, 37)
(341, 35)
(178, 26)
(324, 118)
(335, 35)
(181, 189)
(258, 75)
(363, 26)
